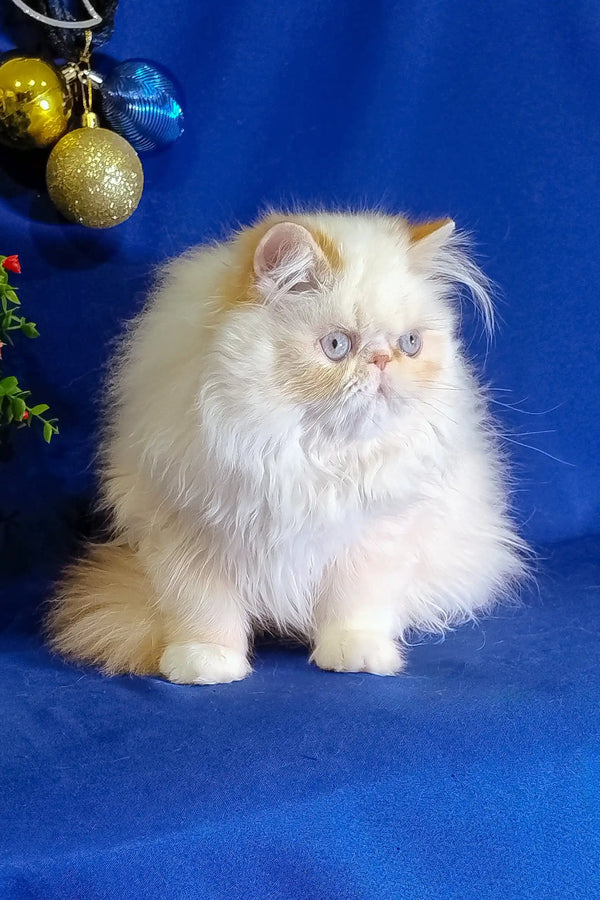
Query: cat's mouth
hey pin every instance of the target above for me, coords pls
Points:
(384, 390)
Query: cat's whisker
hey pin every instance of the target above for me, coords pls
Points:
(521, 434)
(526, 412)
(429, 403)
(440, 412)
(437, 385)
(538, 450)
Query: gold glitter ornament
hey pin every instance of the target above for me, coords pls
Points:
(35, 104)
(94, 177)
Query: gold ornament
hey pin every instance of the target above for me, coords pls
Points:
(35, 104)
(94, 176)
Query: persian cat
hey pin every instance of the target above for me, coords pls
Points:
(294, 444)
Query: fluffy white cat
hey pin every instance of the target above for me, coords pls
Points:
(296, 444)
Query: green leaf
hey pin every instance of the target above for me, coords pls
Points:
(10, 295)
(40, 408)
(9, 415)
(29, 329)
(6, 320)
(48, 431)
(9, 385)
(18, 408)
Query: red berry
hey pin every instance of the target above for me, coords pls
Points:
(12, 264)
(25, 416)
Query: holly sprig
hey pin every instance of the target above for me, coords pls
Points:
(14, 406)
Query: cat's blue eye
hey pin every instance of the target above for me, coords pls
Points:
(411, 343)
(336, 346)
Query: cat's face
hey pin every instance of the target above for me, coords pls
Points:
(348, 327)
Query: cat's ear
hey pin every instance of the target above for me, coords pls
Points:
(288, 260)
(437, 252)
(427, 239)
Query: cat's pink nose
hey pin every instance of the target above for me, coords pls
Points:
(381, 360)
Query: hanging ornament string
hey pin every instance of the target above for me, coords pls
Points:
(79, 74)
(86, 82)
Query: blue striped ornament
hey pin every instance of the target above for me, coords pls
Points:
(142, 104)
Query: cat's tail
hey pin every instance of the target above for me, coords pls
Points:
(103, 613)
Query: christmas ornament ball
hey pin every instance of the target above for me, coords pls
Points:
(143, 104)
(35, 105)
(94, 177)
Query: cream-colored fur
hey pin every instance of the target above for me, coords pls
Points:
(255, 483)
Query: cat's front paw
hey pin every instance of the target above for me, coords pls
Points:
(357, 651)
(196, 663)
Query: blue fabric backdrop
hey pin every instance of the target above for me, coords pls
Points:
(476, 775)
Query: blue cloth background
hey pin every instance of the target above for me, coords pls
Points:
(476, 775)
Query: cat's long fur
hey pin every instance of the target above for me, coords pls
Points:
(254, 483)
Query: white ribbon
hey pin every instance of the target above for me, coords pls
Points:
(62, 23)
